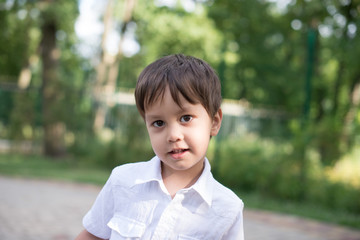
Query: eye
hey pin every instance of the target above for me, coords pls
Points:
(158, 123)
(186, 118)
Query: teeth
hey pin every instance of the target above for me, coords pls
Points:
(178, 151)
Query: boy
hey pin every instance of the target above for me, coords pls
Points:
(172, 196)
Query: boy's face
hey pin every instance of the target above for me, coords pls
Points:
(180, 136)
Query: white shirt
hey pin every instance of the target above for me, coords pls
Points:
(134, 204)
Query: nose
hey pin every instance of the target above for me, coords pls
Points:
(174, 133)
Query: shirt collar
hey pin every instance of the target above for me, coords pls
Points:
(150, 172)
(203, 186)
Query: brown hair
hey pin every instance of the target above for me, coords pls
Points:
(191, 77)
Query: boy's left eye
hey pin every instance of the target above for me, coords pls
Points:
(186, 118)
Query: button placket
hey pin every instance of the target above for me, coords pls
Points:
(169, 218)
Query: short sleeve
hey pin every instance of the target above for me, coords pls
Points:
(95, 221)
(236, 231)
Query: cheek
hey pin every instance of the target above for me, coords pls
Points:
(155, 140)
(200, 135)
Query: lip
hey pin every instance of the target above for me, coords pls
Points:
(178, 153)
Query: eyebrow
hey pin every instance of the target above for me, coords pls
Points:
(181, 110)
(152, 117)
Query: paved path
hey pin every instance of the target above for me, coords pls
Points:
(51, 210)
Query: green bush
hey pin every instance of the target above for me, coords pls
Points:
(124, 140)
(116, 153)
(275, 169)
(326, 138)
(343, 197)
(245, 165)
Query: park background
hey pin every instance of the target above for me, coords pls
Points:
(290, 74)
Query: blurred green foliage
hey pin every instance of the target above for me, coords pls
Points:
(271, 168)
(291, 139)
(126, 141)
(33, 166)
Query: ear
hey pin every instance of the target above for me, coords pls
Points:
(216, 123)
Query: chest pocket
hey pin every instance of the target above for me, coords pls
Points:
(125, 228)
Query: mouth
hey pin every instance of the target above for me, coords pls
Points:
(180, 150)
(178, 153)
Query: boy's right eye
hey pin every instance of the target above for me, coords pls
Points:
(158, 123)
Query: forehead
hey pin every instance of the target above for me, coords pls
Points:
(166, 92)
(166, 104)
(164, 97)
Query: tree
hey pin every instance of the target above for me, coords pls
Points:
(37, 30)
(269, 62)
(63, 84)
(164, 30)
(108, 68)
(54, 128)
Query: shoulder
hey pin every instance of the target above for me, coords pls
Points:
(225, 200)
(127, 174)
(130, 174)
(124, 169)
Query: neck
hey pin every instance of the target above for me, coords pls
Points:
(175, 180)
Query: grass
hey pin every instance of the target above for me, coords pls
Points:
(58, 169)
(76, 171)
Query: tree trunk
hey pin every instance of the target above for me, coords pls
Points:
(337, 87)
(54, 129)
(108, 68)
(102, 71)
